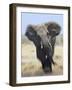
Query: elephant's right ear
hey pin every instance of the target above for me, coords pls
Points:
(53, 28)
(30, 31)
(29, 28)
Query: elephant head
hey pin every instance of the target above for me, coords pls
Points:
(44, 37)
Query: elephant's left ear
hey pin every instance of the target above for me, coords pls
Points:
(53, 28)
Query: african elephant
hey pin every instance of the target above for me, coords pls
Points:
(44, 37)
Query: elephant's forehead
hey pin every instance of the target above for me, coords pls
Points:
(41, 29)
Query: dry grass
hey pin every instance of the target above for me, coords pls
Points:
(31, 66)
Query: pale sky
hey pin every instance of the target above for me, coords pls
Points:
(38, 18)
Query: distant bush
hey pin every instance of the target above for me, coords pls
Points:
(59, 40)
(25, 40)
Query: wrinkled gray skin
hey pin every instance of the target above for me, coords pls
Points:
(44, 37)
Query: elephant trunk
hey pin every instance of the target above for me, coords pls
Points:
(47, 46)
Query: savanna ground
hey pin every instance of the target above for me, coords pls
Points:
(31, 66)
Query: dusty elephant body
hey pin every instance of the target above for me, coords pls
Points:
(44, 38)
